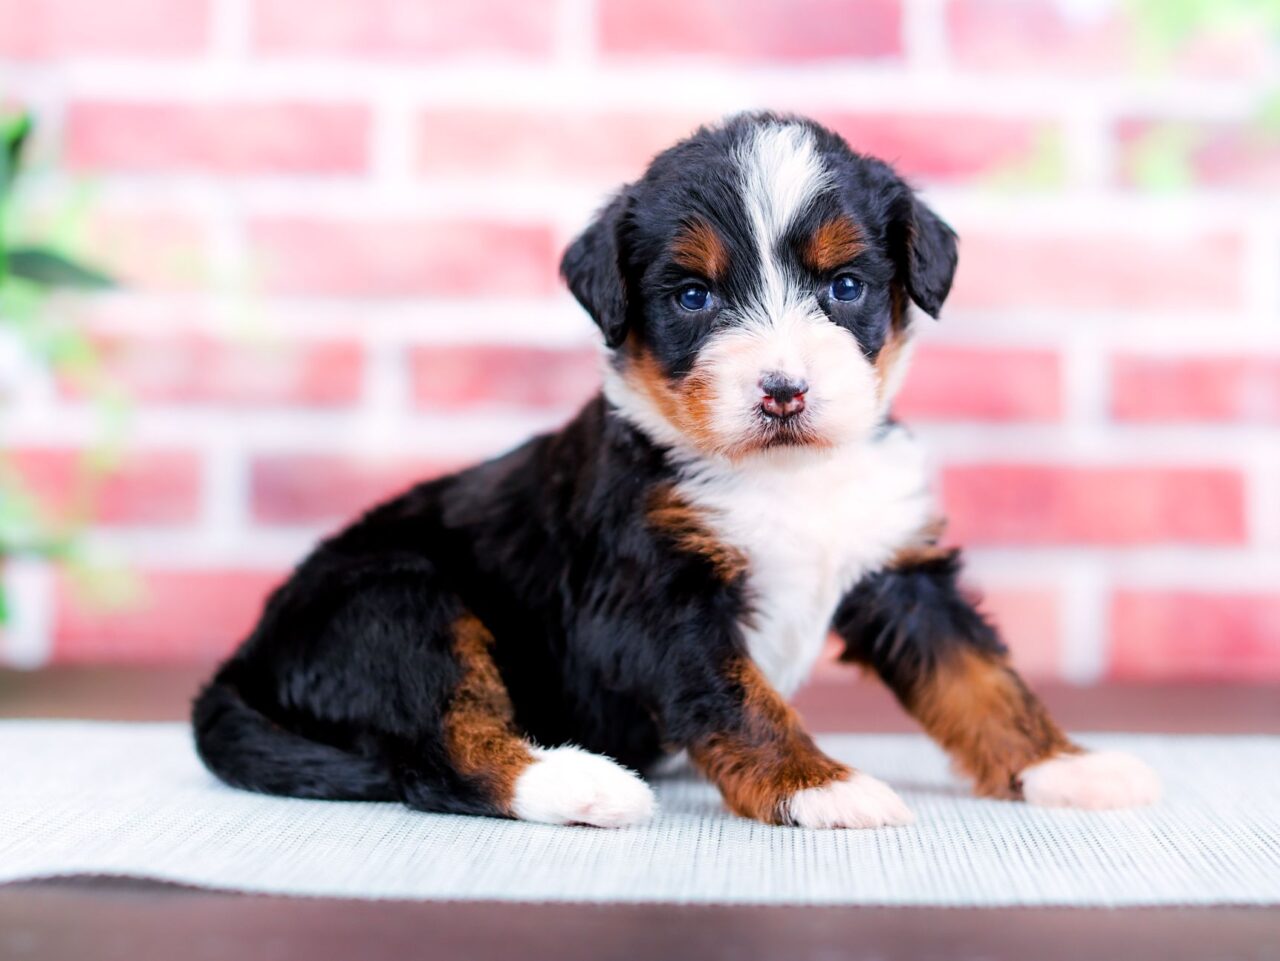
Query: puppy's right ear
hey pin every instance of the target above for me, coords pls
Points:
(592, 267)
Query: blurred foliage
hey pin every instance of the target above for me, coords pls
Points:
(1042, 167)
(1163, 156)
(33, 276)
(1165, 26)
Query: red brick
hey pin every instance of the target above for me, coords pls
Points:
(1165, 635)
(938, 147)
(1036, 35)
(405, 28)
(485, 142)
(986, 384)
(177, 616)
(1105, 272)
(1228, 155)
(230, 138)
(752, 30)
(1029, 620)
(448, 377)
(1120, 506)
(200, 369)
(33, 29)
(403, 258)
(146, 487)
(1197, 388)
(319, 488)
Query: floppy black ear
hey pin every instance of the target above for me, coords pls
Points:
(931, 256)
(592, 267)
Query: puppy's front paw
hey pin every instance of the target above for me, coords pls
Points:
(858, 801)
(1097, 780)
(567, 785)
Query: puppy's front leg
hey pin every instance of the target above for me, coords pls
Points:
(752, 746)
(948, 668)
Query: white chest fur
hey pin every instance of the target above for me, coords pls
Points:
(811, 525)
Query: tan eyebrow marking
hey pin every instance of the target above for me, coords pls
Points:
(698, 248)
(834, 244)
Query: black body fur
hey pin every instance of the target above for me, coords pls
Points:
(606, 635)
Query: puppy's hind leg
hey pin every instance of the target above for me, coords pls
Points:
(560, 785)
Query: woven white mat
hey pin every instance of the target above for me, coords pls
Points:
(132, 799)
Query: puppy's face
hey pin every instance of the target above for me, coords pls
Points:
(753, 288)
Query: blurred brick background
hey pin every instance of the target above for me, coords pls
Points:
(339, 223)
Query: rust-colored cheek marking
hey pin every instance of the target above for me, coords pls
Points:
(479, 725)
(834, 244)
(699, 249)
(685, 404)
(768, 757)
(685, 527)
(887, 362)
(982, 713)
(895, 342)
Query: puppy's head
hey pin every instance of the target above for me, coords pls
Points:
(752, 288)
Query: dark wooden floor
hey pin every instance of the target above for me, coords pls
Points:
(141, 921)
(839, 703)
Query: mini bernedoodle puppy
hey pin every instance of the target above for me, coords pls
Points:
(659, 576)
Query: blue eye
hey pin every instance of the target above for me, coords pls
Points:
(693, 297)
(846, 289)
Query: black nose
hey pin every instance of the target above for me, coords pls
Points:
(783, 395)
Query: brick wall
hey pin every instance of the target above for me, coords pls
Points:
(308, 198)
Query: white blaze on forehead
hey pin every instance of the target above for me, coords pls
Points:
(781, 175)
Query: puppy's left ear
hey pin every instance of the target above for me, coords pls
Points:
(593, 269)
(931, 256)
(923, 248)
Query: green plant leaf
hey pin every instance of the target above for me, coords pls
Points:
(49, 269)
(14, 132)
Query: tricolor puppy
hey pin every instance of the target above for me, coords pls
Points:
(518, 639)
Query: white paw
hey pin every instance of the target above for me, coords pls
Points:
(859, 801)
(1102, 779)
(567, 785)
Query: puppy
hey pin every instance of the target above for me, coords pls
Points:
(516, 639)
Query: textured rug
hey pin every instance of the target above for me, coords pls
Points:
(132, 799)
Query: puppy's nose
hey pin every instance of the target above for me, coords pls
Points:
(783, 395)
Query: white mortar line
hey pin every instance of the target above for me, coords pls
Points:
(230, 29)
(494, 80)
(393, 146)
(1085, 389)
(1089, 147)
(387, 396)
(1262, 494)
(1125, 216)
(261, 549)
(1208, 568)
(28, 637)
(1084, 623)
(924, 36)
(1262, 267)
(576, 24)
(224, 482)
